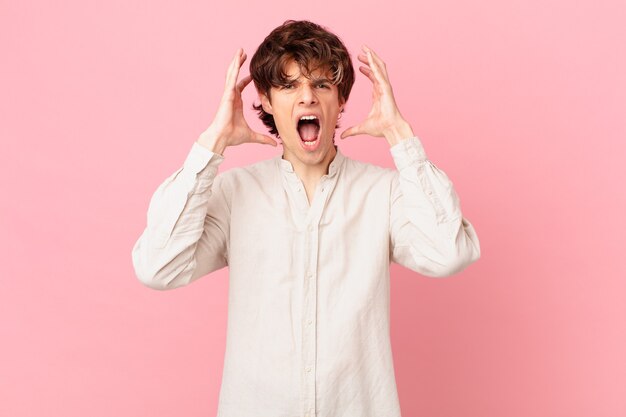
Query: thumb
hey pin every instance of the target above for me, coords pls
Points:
(264, 139)
(243, 83)
(351, 131)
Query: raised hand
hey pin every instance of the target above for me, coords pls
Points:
(384, 119)
(229, 128)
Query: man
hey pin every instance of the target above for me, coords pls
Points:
(308, 236)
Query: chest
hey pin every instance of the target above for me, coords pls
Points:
(278, 226)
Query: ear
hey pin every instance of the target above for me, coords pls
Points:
(265, 102)
(342, 104)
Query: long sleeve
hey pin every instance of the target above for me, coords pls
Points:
(187, 230)
(428, 233)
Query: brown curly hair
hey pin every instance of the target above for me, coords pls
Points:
(311, 46)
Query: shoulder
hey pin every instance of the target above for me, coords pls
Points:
(258, 172)
(364, 178)
(366, 171)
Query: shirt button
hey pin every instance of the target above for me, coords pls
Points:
(310, 322)
(429, 192)
(308, 369)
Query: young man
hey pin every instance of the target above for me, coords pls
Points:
(308, 235)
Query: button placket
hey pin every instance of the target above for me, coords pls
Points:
(309, 339)
(309, 302)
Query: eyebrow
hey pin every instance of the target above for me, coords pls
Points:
(314, 81)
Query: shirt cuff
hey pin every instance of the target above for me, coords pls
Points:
(408, 151)
(199, 157)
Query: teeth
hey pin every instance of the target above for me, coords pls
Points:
(308, 118)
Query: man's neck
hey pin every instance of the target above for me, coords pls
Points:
(311, 175)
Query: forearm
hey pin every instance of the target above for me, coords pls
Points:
(164, 255)
(429, 232)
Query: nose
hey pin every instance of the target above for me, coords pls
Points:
(307, 94)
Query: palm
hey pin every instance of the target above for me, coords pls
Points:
(379, 117)
(229, 121)
(237, 124)
(384, 112)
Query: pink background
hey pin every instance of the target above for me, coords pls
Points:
(521, 103)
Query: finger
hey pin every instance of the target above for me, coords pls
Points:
(235, 60)
(229, 71)
(374, 55)
(380, 72)
(368, 73)
(363, 58)
(351, 131)
(377, 65)
(240, 57)
(371, 62)
(264, 139)
(243, 83)
(233, 70)
(381, 64)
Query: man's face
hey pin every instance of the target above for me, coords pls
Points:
(307, 142)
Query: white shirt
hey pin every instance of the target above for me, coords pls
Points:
(308, 301)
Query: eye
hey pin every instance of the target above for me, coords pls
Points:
(286, 86)
(323, 85)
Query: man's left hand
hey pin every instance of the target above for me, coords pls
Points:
(384, 119)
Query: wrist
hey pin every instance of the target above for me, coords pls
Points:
(398, 131)
(214, 142)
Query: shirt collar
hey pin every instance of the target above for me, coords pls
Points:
(333, 167)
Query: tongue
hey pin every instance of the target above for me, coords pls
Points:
(308, 131)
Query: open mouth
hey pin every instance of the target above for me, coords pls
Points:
(308, 129)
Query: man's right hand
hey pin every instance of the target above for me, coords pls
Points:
(229, 127)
